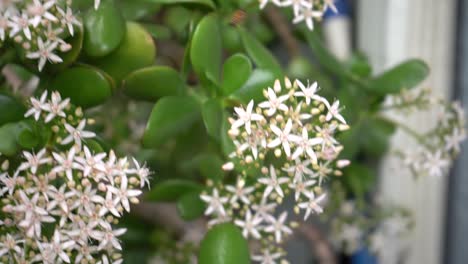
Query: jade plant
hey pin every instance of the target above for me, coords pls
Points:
(225, 136)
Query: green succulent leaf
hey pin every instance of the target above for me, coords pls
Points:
(358, 179)
(104, 29)
(375, 136)
(11, 110)
(152, 83)
(224, 244)
(190, 206)
(207, 3)
(16, 136)
(403, 76)
(210, 167)
(212, 112)
(206, 49)
(86, 86)
(253, 88)
(137, 50)
(226, 142)
(260, 55)
(236, 71)
(170, 116)
(172, 190)
(136, 9)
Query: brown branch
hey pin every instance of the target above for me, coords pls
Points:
(319, 243)
(283, 29)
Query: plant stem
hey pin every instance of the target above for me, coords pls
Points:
(408, 130)
(281, 27)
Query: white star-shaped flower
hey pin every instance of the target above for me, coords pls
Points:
(334, 111)
(278, 227)
(435, 164)
(283, 137)
(312, 205)
(308, 16)
(267, 257)
(452, 142)
(66, 163)
(273, 183)
(240, 192)
(300, 169)
(215, 203)
(274, 102)
(37, 106)
(34, 160)
(246, 117)
(297, 5)
(250, 225)
(69, 19)
(39, 10)
(124, 194)
(263, 3)
(305, 145)
(45, 53)
(20, 23)
(300, 187)
(56, 107)
(308, 92)
(77, 134)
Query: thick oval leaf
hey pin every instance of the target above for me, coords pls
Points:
(206, 49)
(11, 110)
(84, 85)
(323, 55)
(170, 116)
(10, 134)
(190, 206)
(136, 51)
(8, 144)
(153, 83)
(137, 9)
(359, 180)
(403, 76)
(376, 135)
(260, 55)
(226, 142)
(158, 32)
(207, 3)
(224, 244)
(236, 71)
(212, 112)
(104, 29)
(253, 88)
(210, 167)
(171, 190)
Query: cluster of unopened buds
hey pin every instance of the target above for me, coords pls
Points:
(304, 10)
(440, 145)
(285, 144)
(39, 27)
(61, 203)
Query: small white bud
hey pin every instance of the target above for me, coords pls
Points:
(229, 166)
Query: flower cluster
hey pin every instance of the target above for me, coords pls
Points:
(286, 144)
(439, 146)
(304, 10)
(61, 202)
(382, 230)
(39, 27)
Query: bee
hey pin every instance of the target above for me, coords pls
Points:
(238, 17)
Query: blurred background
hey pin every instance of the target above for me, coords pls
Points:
(388, 32)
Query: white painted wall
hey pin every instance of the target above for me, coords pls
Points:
(391, 31)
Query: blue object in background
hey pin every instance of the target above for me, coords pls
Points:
(363, 256)
(344, 9)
